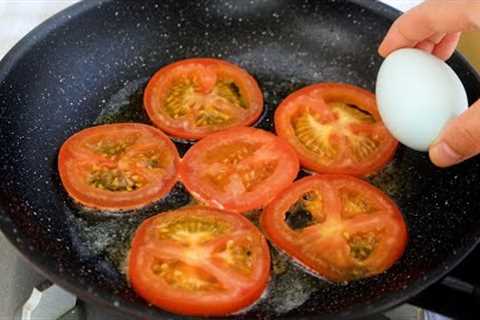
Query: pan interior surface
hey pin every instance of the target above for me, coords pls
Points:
(89, 65)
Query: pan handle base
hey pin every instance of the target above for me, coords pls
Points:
(47, 301)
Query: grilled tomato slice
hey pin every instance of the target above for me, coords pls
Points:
(335, 128)
(238, 169)
(118, 166)
(195, 97)
(199, 261)
(339, 227)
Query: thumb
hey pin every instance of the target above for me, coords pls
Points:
(459, 140)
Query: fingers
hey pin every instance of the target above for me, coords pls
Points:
(459, 140)
(427, 20)
(426, 45)
(445, 48)
(441, 45)
(429, 44)
(400, 34)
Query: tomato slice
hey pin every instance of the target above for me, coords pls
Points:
(199, 261)
(118, 166)
(238, 169)
(340, 227)
(335, 128)
(195, 97)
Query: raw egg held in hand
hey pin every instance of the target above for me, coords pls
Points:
(417, 94)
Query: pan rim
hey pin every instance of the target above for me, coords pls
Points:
(106, 298)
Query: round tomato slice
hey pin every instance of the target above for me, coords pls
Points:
(335, 128)
(195, 97)
(118, 166)
(199, 261)
(238, 169)
(339, 227)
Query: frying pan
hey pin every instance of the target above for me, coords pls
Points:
(89, 65)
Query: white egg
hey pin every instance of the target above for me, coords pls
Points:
(417, 94)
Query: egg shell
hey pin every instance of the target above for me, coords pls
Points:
(417, 94)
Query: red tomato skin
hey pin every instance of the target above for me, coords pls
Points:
(241, 75)
(272, 229)
(350, 94)
(187, 306)
(186, 172)
(112, 204)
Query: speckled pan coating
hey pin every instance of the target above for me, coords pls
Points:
(92, 58)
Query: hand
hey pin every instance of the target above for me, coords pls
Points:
(435, 26)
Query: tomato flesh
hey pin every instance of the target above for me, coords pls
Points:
(340, 227)
(195, 97)
(118, 166)
(335, 128)
(238, 169)
(199, 261)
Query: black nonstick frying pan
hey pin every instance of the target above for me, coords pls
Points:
(89, 65)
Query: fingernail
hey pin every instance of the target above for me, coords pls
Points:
(443, 155)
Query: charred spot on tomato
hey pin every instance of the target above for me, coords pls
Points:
(182, 276)
(306, 211)
(314, 135)
(361, 244)
(350, 112)
(192, 230)
(313, 202)
(354, 203)
(298, 218)
(231, 92)
(114, 179)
